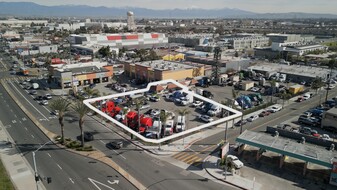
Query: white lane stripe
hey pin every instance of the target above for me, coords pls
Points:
(29, 101)
(26, 128)
(32, 136)
(49, 155)
(71, 180)
(102, 141)
(119, 154)
(59, 166)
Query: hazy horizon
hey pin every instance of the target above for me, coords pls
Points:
(258, 6)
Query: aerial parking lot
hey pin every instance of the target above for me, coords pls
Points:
(158, 117)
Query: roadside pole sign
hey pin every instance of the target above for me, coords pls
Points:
(225, 149)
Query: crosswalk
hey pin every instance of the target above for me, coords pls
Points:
(193, 157)
(16, 78)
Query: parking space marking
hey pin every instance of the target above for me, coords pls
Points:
(26, 129)
(49, 155)
(14, 121)
(24, 119)
(71, 180)
(32, 136)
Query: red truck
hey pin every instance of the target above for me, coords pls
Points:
(131, 120)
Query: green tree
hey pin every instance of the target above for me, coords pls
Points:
(62, 106)
(236, 54)
(82, 110)
(105, 51)
(317, 83)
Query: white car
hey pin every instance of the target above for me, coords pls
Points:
(206, 118)
(275, 108)
(197, 103)
(326, 137)
(155, 112)
(54, 112)
(254, 89)
(154, 98)
(44, 102)
(306, 96)
(235, 161)
(48, 96)
(252, 118)
(330, 86)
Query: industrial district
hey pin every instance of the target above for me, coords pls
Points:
(141, 103)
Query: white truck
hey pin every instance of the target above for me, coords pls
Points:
(214, 110)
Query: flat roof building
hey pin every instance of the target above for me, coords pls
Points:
(296, 73)
(80, 74)
(161, 70)
(90, 42)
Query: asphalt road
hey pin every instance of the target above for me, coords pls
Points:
(150, 171)
(67, 170)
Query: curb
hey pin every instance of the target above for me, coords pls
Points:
(51, 136)
(225, 181)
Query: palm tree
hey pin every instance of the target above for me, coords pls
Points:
(138, 102)
(183, 112)
(82, 110)
(62, 106)
(163, 118)
(272, 85)
(332, 65)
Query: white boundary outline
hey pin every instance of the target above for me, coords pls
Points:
(157, 141)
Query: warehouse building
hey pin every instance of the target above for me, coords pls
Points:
(90, 43)
(191, 40)
(294, 73)
(246, 41)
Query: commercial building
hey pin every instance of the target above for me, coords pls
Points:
(241, 42)
(226, 62)
(162, 70)
(283, 38)
(79, 74)
(294, 73)
(297, 48)
(191, 40)
(22, 22)
(90, 43)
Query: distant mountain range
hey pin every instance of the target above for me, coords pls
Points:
(31, 9)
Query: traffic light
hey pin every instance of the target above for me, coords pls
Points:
(48, 180)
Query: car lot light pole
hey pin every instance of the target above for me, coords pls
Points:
(35, 168)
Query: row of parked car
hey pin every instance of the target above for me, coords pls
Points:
(273, 109)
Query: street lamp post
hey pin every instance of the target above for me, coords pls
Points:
(34, 161)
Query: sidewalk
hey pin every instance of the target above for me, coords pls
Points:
(17, 167)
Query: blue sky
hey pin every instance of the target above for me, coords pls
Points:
(260, 6)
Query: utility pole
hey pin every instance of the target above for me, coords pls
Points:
(35, 168)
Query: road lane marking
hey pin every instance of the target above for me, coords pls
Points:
(102, 141)
(49, 155)
(26, 128)
(59, 166)
(119, 154)
(185, 159)
(197, 160)
(179, 155)
(32, 136)
(28, 101)
(15, 115)
(71, 180)
(24, 119)
(14, 121)
(94, 183)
